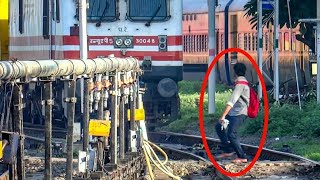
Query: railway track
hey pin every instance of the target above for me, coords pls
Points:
(271, 164)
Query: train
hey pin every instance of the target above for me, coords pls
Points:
(149, 30)
(233, 30)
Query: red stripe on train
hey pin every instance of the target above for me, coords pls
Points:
(137, 40)
(92, 40)
(160, 56)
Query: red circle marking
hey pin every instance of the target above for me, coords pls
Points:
(266, 113)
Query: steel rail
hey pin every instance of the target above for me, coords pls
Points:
(190, 140)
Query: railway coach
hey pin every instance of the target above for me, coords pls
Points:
(149, 30)
(233, 30)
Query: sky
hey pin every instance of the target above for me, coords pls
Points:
(199, 6)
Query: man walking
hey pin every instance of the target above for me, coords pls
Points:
(236, 112)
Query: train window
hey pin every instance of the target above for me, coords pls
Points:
(239, 40)
(245, 41)
(266, 39)
(193, 43)
(280, 42)
(102, 10)
(198, 45)
(286, 41)
(182, 17)
(186, 43)
(256, 42)
(293, 47)
(253, 42)
(222, 42)
(249, 42)
(195, 17)
(189, 43)
(191, 17)
(187, 17)
(206, 43)
(203, 42)
(145, 10)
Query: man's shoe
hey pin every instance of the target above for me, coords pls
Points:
(239, 160)
(225, 155)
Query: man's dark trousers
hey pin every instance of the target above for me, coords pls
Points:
(231, 135)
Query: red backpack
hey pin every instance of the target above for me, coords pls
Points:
(254, 103)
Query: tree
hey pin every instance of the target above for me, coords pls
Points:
(299, 10)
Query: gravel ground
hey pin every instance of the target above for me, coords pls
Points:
(187, 169)
(34, 164)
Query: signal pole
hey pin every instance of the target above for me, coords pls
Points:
(318, 51)
(212, 51)
(84, 82)
(276, 50)
(83, 41)
(260, 42)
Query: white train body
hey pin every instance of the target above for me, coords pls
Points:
(49, 29)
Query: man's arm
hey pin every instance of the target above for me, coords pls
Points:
(225, 113)
(232, 100)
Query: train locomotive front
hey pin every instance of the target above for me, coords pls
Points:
(149, 30)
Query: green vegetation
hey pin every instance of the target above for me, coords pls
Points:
(285, 121)
(189, 95)
(304, 147)
(288, 120)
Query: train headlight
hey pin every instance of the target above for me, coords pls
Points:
(162, 40)
(119, 42)
(127, 42)
(162, 46)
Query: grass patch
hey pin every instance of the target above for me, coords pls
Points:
(308, 148)
(189, 92)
